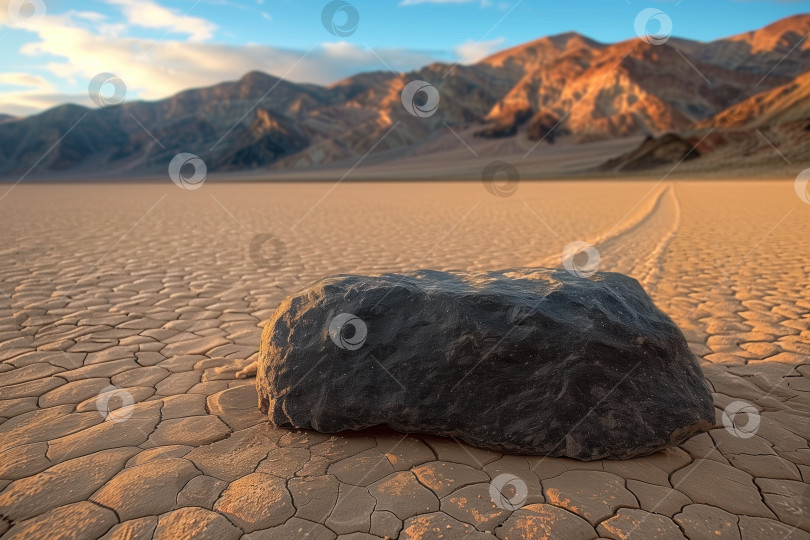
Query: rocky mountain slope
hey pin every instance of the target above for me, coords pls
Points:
(787, 103)
(566, 87)
(669, 148)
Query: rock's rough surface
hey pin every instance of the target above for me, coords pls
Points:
(532, 361)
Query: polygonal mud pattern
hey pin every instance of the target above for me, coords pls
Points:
(177, 305)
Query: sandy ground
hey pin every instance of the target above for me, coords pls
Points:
(126, 311)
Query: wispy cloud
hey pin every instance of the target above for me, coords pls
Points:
(147, 14)
(24, 80)
(472, 51)
(76, 46)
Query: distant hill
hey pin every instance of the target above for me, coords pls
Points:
(565, 88)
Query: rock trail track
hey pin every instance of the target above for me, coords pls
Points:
(649, 228)
(145, 300)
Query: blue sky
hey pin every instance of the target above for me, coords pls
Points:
(159, 47)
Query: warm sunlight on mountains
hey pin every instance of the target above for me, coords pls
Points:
(562, 88)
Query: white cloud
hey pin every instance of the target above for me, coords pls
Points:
(28, 103)
(148, 14)
(77, 50)
(25, 80)
(91, 16)
(471, 51)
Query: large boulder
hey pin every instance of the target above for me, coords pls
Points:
(531, 361)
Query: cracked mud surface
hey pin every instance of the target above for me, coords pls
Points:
(145, 301)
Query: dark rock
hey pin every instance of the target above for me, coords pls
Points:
(532, 361)
(497, 131)
(668, 149)
(546, 126)
(506, 126)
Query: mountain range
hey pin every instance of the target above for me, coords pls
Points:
(565, 89)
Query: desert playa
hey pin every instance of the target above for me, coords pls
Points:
(127, 310)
